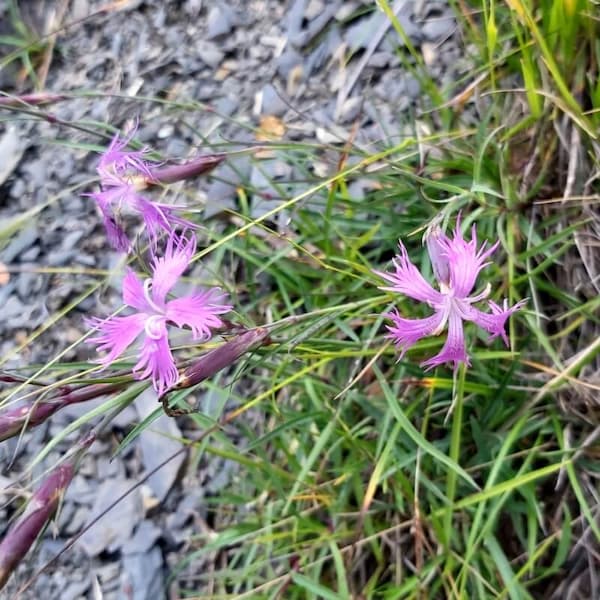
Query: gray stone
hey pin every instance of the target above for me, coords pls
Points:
(75, 522)
(87, 466)
(5, 292)
(157, 442)
(19, 243)
(380, 60)
(75, 590)
(12, 147)
(350, 109)
(221, 20)
(31, 254)
(113, 528)
(110, 469)
(314, 9)
(37, 171)
(108, 575)
(272, 103)
(145, 536)
(439, 27)
(12, 308)
(142, 575)
(126, 418)
(81, 491)
(209, 53)
(361, 33)
(321, 55)
(289, 60)
(193, 504)
(221, 194)
(294, 16)
(227, 105)
(59, 258)
(29, 283)
(71, 239)
(391, 89)
(316, 25)
(176, 147)
(412, 86)
(18, 188)
(347, 9)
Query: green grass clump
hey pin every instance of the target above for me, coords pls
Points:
(360, 476)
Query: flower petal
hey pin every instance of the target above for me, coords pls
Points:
(408, 280)
(167, 269)
(465, 260)
(407, 332)
(454, 349)
(156, 359)
(199, 312)
(114, 232)
(115, 334)
(155, 216)
(116, 163)
(133, 292)
(494, 322)
(116, 235)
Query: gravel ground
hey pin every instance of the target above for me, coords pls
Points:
(314, 69)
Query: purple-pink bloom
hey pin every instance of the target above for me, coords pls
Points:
(123, 173)
(199, 312)
(456, 264)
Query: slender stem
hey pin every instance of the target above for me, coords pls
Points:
(456, 410)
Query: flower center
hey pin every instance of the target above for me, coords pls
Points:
(154, 326)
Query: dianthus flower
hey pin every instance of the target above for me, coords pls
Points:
(123, 174)
(456, 264)
(199, 312)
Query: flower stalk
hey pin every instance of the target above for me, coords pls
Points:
(35, 99)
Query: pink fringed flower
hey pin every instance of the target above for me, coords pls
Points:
(123, 174)
(456, 264)
(199, 312)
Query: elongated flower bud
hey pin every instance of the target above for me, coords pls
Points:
(13, 421)
(187, 170)
(227, 354)
(39, 511)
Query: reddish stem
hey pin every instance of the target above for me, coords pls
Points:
(36, 99)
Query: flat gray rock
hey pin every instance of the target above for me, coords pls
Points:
(221, 20)
(12, 147)
(142, 575)
(156, 443)
(271, 102)
(114, 528)
(19, 243)
(145, 536)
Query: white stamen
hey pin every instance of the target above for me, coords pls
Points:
(148, 297)
(153, 326)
